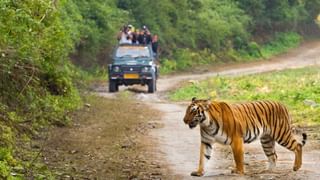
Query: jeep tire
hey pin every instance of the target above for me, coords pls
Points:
(113, 86)
(152, 86)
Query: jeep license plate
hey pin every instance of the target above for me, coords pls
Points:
(131, 76)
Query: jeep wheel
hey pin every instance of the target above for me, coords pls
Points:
(152, 86)
(113, 87)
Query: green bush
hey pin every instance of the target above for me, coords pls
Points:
(185, 59)
(93, 26)
(6, 161)
(168, 66)
(4, 170)
(280, 44)
(254, 50)
(36, 75)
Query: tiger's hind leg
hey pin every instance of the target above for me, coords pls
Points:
(298, 157)
(268, 145)
(293, 145)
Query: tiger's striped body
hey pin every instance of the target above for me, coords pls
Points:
(235, 124)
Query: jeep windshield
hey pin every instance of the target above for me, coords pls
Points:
(124, 52)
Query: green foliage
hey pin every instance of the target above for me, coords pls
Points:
(36, 75)
(281, 43)
(6, 137)
(184, 58)
(220, 24)
(96, 23)
(168, 66)
(6, 159)
(35, 70)
(292, 87)
(191, 24)
(271, 16)
(92, 75)
(4, 169)
(187, 59)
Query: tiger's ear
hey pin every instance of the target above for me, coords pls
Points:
(207, 103)
(209, 100)
(193, 99)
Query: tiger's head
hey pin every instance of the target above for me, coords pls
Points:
(195, 113)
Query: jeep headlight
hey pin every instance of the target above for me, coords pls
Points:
(145, 69)
(116, 69)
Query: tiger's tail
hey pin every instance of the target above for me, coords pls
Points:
(304, 139)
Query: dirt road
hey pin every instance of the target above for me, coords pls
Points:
(179, 146)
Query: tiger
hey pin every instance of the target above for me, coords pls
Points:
(239, 123)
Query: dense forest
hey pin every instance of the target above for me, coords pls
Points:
(47, 47)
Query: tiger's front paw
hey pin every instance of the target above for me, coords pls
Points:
(197, 173)
(296, 167)
(236, 171)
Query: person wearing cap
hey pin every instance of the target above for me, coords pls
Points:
(144, 37)
(131, 28)
(145, 29)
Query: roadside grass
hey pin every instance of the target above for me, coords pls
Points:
(104, 142)
(186, 59)
(87, 78)
(281, 44)
(299, 89)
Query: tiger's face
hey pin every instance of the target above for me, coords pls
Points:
(195, 114)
